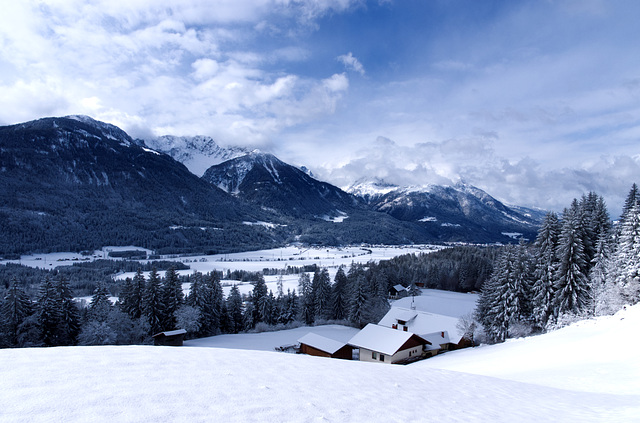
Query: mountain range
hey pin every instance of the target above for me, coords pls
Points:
(73, 183)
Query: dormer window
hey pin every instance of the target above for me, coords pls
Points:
(402, 322)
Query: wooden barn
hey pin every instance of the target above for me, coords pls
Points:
(172, 338)
(320, 346)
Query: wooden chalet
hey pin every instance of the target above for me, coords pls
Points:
(386, 345)
(321, 346)
(172, 338)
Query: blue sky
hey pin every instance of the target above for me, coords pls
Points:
(536, 102)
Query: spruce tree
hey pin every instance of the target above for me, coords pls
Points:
(234, 310)
(627, 256)
(48, 314)
(69, 326)
(152, 303)
(100, 305)
(16, 307)
(261, 309)
(340, 296)
(632, 199)
(571, 284)
(131, 295)
(307, 310)
(322, 294)
(358, 300)
(173, 298)
(546, 265)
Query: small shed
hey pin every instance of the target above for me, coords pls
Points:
(171, 338)
(320, 346)
(398, 291)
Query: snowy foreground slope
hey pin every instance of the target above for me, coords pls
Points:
(131, 384)
(598, 355)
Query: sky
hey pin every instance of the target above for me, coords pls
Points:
(536, 102)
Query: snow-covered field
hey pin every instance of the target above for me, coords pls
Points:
(331, 257)
(531, 380)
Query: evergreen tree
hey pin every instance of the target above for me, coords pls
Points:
(100, 305)
(601, 292)
(234, 310)
(261, 307)
(340, 296)
(627, 256)
(173, 298)
(16, 307)
(571, 285)
(545, 269)
(131, 295)
(152, 303)
(307, 306)
(505, 302)
(633, 198)
(321, 287)
(69, 326)
(357, 306)
(48, 314)
(290, 309)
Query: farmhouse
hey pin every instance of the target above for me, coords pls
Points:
(440, 330)
(386, 345)
(172, 338)
(321, 346)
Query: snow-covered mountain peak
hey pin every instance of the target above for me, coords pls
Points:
(370, 188)
(197, 153)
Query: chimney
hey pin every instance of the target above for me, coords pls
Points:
(442, 334)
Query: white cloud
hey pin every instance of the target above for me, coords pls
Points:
(351, 62)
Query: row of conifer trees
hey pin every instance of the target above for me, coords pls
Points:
(580, 265)
(152, 304)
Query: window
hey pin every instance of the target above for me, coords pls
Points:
(373, 355)
(394, 326)
(381, 357)
(404, 328)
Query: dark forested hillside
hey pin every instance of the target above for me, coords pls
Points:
(74, 183)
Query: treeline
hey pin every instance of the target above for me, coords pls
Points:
(461, 269)
(82, 277)
(154, 304)
(579, 266)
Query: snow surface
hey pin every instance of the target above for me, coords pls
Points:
(195, 384)
(600, 355)
(446, 303)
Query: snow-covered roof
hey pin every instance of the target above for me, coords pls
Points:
(171, 332)
(399, 288)
(405, 315)
(437, 339)
(381, 339)
(423, 323)
(321, 343)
